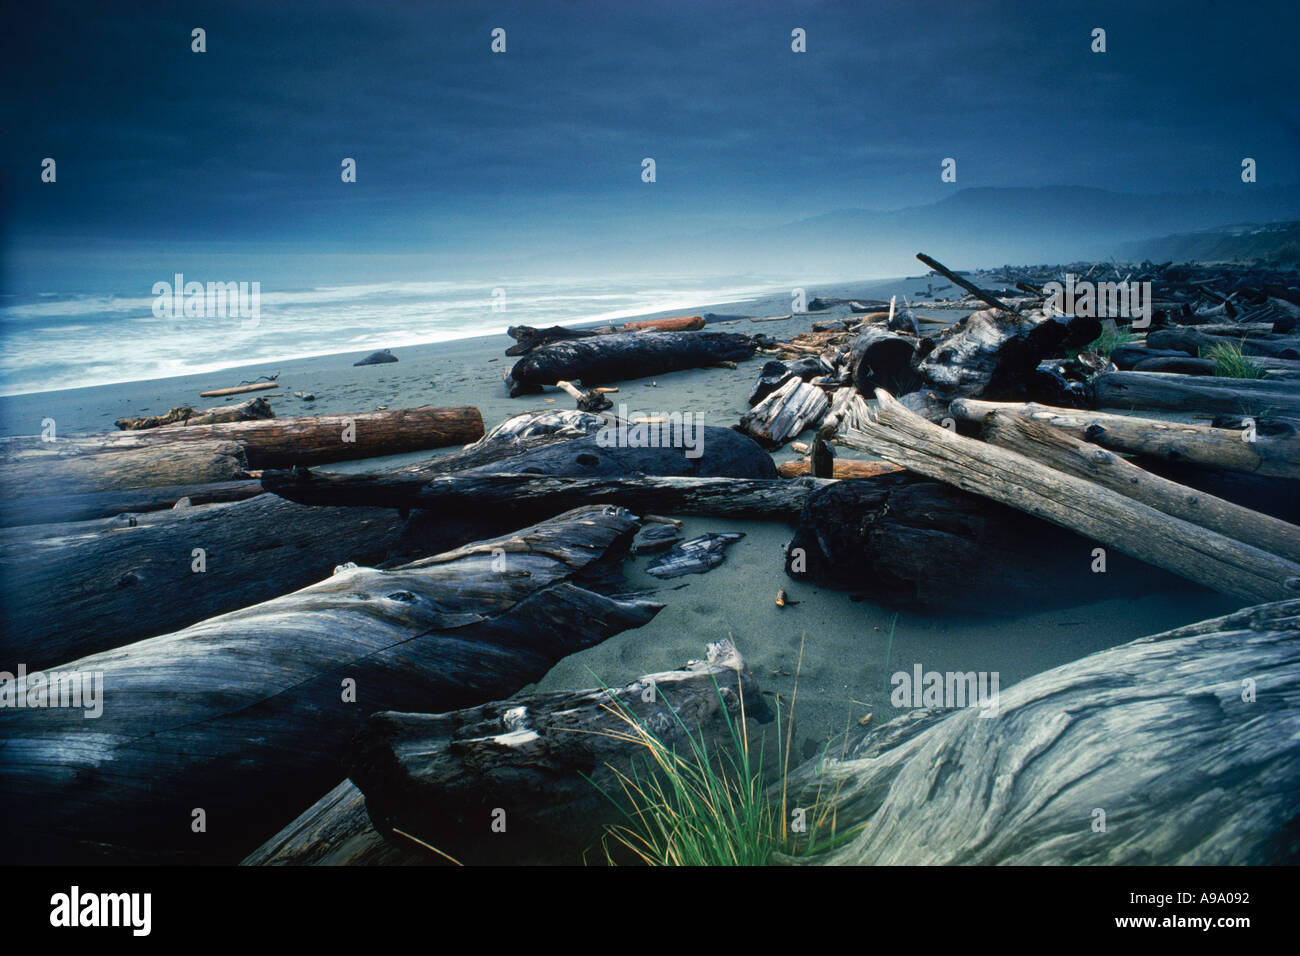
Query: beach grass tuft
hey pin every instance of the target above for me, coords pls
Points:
(1229, 362)
(703, 805)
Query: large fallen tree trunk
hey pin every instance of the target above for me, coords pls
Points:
(1162, 752)
(285, 442)
(529, 494)
(908, 541)
(994, 354)
(627, 355)
(543, 758)
(895, 434)
(1194, 393)
(47, 509)
(74, 589)
(30, 467)
(244, 716)
(1268, 449)
(1193, 341)
(1040, 441)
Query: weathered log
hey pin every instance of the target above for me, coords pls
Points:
(785, 413)
(382, 357)
(1096, 512)
(913, 542)
(1193, 341)
(1272, 450)
(1157, 734)
(69, 466)
(1056, 449)
(1182, 365)
(1191, 393)
(1126, 357)
(544, 758)
(883, 359)
(75, 589)
(992, 353)
(528, 338)
(697, 556)
(775, 374)
(529, 494)
(251, 410)
(49, 509)
(239, 389)
(681, 323)
(336, 831)
(319, 439)
(245, 715)
(840, 468)
(626, 355)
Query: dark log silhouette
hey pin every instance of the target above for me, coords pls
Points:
(628, 355)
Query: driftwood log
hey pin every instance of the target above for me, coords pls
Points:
(1193, 393)
(1056, 449)
(913, 542)
(993, 354)
(897, 435)
(318, 439)
(1174, 749)
(245, 715)
(31, 467)
(880, 358)
(1193, 341)
(48, 509)
(531, 494)
(627, 355)
(539, 758)
(840, 468)
(1274, 450)
(251, 410)
(785, 413)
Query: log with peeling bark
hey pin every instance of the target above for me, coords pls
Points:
(1158, 734)
(47, 509)
(545, 758)
(785, 413)
(245, 715)
(603, 359)
(525, 495)
(252, 410)
(1093, 511)
(319, 439)
(31, 467)
(1061, 451)
(1271, 449)
(1193, 393)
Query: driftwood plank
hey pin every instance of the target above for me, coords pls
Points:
(245, 715)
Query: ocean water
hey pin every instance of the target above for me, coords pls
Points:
(68, 340)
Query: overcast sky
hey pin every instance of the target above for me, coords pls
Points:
(543, 144)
